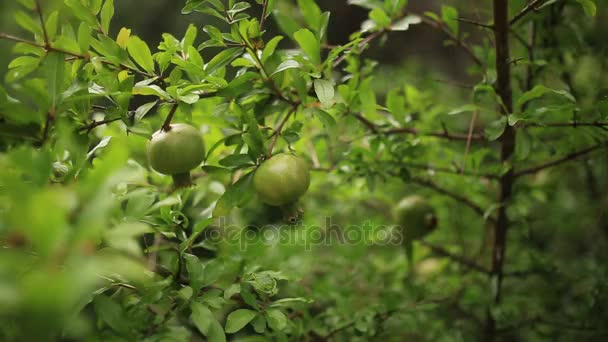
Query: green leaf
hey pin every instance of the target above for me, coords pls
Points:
(238, 319)
(309, 44)
(142, 110)
(325, 92)
(380, 17)
(84, 37)
(270, 48)
(233, 196)
(236, 160)
(206, 323)
(523, 145)
(589, 7)
(112, 314)
(222, 59)
(464, 109)
(541, 90)
(288, 64)
(55, 70)
(139, 50)
(81, 12)
(367, 98)
(286, 23)
(107, 12)
(369, 4)
(276, 319)
(311, 13)
(189, 37)
(449, 15)
(326, 119)
(51, 24)
(496, 128)
(404, 23)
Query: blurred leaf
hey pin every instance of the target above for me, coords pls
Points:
(309, 43)
(139, 50)
(238, 319)
(206, 323)
(325, 92)
(233, 196)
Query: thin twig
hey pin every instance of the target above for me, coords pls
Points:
(86, 57)
(532, 6)
(467, 21)
(263, 17)
(167, 124)
(469, 137)
(459, 198)
(88, 128)
(277, 132)
(45, 34)
(567, 158)
(443, 28)
(443, 134)
(451, 171)
(457, 258)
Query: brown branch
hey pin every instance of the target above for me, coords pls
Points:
(532, 6)
(361, 46)
(457, 258)
(469, 137)
(458, 197)
(370, 125)
(443, 28)
(45, 34)
(88, 128)
(567, 158)
(263, 16)
(448, 170)
(277, 132)
(467, 21)
(167, 124)
(508, 141)
(86, 57)
(444, 135)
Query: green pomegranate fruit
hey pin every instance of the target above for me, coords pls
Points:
(281, 181)
(176, 151)
(416, 217)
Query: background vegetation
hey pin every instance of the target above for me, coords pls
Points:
(495, 112)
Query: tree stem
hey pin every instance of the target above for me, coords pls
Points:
(503, 89)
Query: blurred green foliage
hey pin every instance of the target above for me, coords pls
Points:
(94, 245)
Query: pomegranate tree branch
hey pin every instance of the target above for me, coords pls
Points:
(459, 198)
(457, 258)
(277, 132)
(86, 57)
(451, 171)
(565, 159)
(475, 23)
(459, 42)
(264, 14)
(88, 128)
(167, 124)
(507, 140)
(45, 34)
(532, 6)
(413, 131)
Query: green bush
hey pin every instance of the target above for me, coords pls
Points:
(95, 245)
